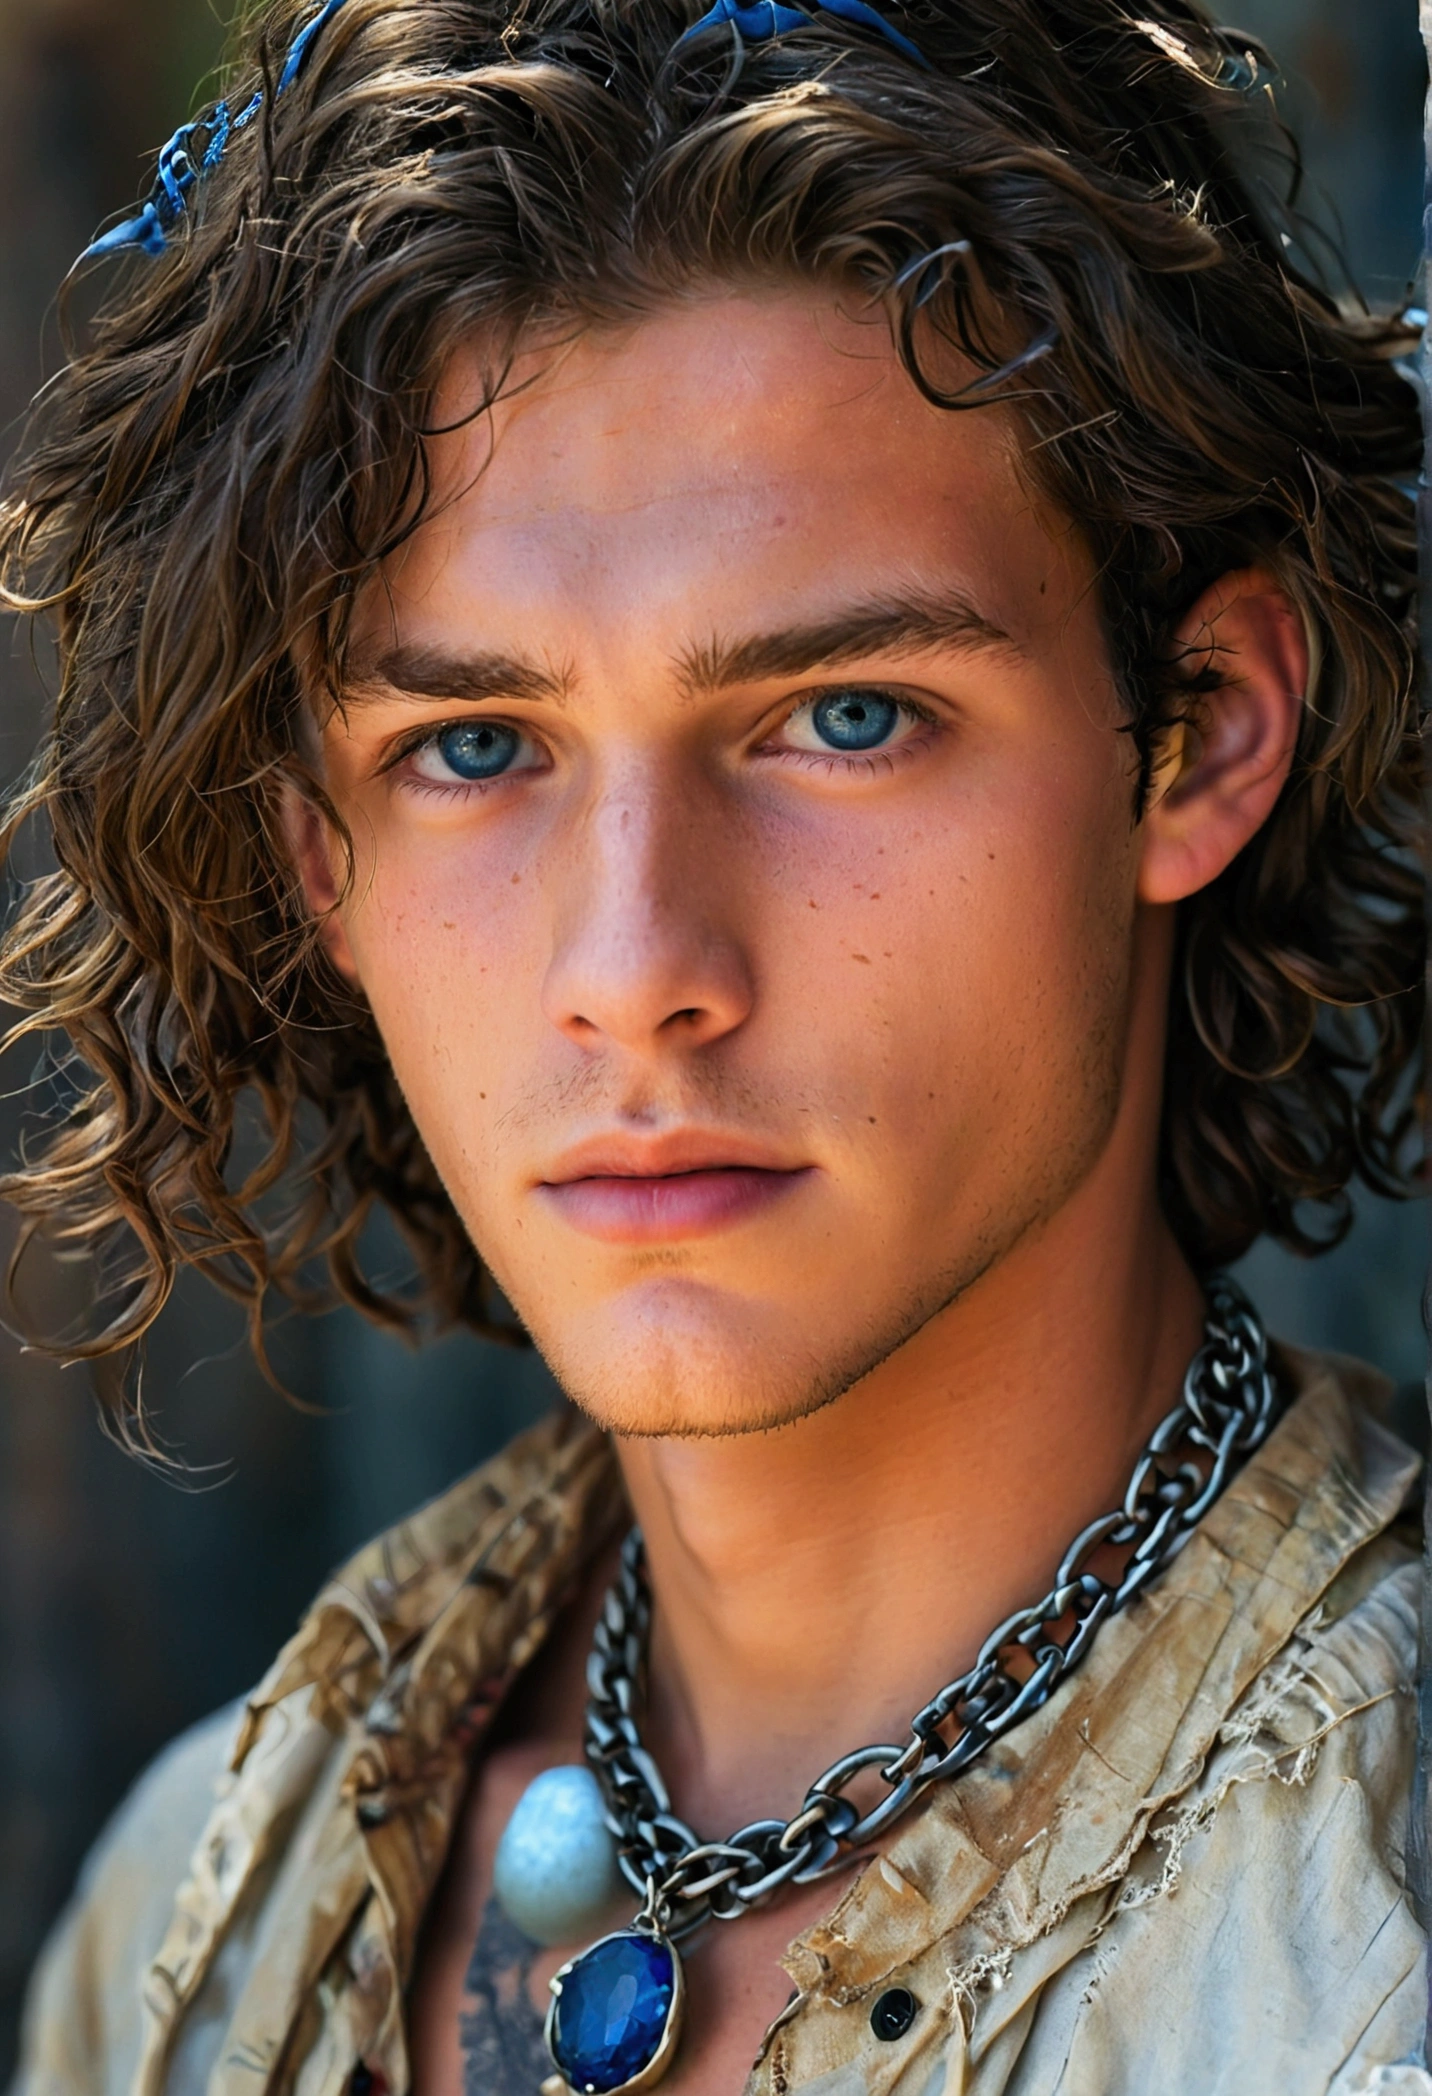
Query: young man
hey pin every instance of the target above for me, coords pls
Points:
(760, 675)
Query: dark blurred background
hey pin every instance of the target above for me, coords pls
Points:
(131, 1605)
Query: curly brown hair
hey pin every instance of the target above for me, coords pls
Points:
(242, 443)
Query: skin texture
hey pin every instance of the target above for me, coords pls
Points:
(902, 1012)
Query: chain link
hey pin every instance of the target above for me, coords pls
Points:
(1228, 1404)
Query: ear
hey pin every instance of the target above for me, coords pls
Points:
(1221, 774)
(314, 852)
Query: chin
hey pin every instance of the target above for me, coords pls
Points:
(662, 1389)
(693, 1366)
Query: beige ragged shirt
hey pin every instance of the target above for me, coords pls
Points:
(1183, 1877)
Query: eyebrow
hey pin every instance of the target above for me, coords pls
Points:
(904, 625)
(435, 673)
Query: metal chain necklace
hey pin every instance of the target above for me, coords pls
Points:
(615, 2018)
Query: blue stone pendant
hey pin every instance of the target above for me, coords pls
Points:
(615, 2018)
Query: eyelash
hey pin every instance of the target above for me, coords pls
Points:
(421, 739)
(827, 761)
(831, 760)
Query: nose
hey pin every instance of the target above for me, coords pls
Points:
(647, 953)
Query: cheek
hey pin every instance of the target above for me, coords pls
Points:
(956, 957)
(443, 941)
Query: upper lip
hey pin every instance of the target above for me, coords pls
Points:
(660, 1156)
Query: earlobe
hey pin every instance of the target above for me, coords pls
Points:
(311, 847)
(1220, 774)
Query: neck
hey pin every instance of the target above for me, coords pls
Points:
(816, 1584)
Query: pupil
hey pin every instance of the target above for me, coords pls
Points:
(479, 750)
(855, 720)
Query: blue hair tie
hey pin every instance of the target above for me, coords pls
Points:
(179, 169)
(767, 18)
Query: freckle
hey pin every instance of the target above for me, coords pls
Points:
(990, 855)
(812, 904)
(875, 895)
(515, 879)
(483, 1095)
(448, 927)
(861, 957)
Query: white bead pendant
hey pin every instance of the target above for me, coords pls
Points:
(556, 1873)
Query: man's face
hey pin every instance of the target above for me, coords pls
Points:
(745, 860)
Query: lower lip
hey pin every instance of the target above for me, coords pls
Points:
(664, 1211)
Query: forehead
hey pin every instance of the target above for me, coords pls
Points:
(730, 459)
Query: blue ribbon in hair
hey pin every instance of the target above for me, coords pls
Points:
(179, 168)
(767, 18)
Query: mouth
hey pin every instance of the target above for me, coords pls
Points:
(665, 1191)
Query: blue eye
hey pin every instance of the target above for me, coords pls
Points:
(855, 720)
(478, 749)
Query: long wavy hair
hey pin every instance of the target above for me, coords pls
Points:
(242, 442)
